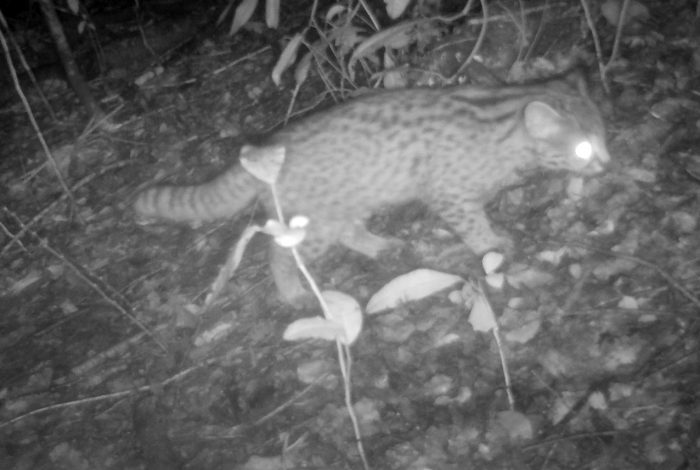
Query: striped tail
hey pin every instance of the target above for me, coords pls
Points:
(219, 198)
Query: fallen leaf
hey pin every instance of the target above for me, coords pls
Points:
(517, 425)
(628, 303)
(415, 285)
(314, 328)
(519, 276)
(313, 371)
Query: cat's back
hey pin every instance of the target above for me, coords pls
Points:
(385, 146)
(364, 152)
(392, 146)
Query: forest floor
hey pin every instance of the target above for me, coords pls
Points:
(108, 359)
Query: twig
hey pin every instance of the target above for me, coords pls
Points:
(107, 292)
(618, 34)
(288, 402)
(501, 351)
(670, 279)
(479, 40)
(582, 435)
(524, 12)
(667, 277)
(575, 293)
(109, 396)
(369, 12)
(602, 69)
(118, 350)
(27, 68)
(240, 59)
(35, 125)
(14, 239)
(538, 33)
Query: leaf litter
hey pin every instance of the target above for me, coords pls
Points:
(598, 318)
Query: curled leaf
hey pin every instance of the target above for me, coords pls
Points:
(395, 37)
(287, 58)
(286, 236)
(263, 162)
(232, 262)
(243, 13)
(334, 11)
(302, 69)
(345, 311)
(299, 221)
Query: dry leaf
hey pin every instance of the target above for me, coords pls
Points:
(518, 426)
(314, 328)
(415, 285)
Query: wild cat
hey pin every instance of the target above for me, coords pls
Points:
(453, 149)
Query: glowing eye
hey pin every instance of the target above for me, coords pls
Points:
(584, 150)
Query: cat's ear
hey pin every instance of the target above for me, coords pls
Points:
(542, 121)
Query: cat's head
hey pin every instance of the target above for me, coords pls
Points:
(568, 132)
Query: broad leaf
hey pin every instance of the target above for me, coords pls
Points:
(263, 162)
(481, 316)
(345, 311)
